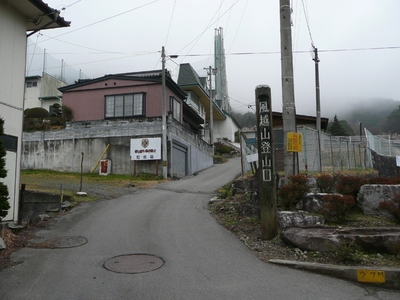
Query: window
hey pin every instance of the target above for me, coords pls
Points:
(129, 105)
(31, 84)
(10, 142)
(176, 109)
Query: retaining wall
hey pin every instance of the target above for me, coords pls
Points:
(61, 150)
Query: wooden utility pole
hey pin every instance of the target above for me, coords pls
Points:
(266, 163)
(288, 103)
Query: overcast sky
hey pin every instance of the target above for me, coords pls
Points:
(127, 36)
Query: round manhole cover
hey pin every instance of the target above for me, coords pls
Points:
(67, 242)
(134, 263)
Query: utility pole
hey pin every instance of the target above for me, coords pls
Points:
(288, 103)
(210, 72)
(318, 105)
(316, 59)
(164, 117)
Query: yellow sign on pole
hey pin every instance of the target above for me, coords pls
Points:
(294, 142)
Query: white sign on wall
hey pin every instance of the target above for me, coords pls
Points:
(146, 149)
(398, 161)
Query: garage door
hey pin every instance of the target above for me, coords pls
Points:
(179, 161)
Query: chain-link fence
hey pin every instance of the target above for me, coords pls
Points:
(321, 152)
(383, 144)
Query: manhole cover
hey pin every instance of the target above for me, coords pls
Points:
(134, 263)
(67, 242)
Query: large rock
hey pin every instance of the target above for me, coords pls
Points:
(329, 239)
(312, 202)
(371, 195)
(287, 219)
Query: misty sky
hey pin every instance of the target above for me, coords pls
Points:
(358, 42)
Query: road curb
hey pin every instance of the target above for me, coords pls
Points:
(391, 276)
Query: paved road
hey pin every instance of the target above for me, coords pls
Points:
(171, 221)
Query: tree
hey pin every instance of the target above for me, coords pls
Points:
(55, 110)
(393, 121)
(336, 128)
(4, 205)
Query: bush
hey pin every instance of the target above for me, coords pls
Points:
(348, 252)
(392, 206)
(293, 192)
(36, 124)
(36, 112)
(220, 149)
(326, 183)
(337, 206)
(4, 205)
(67, 114)
(384, 180)
(350, 185)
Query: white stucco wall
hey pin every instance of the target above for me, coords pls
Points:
(12, 74)
(32, 95)
(225, 129)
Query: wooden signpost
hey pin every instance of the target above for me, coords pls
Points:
(266, 163)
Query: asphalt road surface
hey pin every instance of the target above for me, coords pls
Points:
(201, 259)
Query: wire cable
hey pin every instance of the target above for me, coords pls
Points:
(170, 22)
(307, 22)
(106, 19)
(240, 22)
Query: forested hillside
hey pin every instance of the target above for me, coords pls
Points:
(380, 116)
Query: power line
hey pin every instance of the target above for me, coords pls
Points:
(304, 51)
(170, 22)
(307, 22)
(106, 19)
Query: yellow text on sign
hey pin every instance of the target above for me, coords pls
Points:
(375, 276)
(294, 142)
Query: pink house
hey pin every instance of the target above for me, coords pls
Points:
(114, 111)
(129, 95)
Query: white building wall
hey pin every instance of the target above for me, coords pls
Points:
(225, 129)
(12, 74)
(32, 94)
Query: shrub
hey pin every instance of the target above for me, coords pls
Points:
(337, 206)
(326, 182)
(384, 180)
(67, 113)
(392, 206)
(220, 149)
(4, 205)
(36, 112)
(348, 252)
(349, 185)
(293, 192)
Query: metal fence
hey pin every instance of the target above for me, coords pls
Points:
(383, 144)
(321, 152)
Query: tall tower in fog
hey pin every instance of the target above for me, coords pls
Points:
(221, 84)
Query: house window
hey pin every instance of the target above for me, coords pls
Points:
(128, 105)
(10, 142)
(31, 84)
(176, 109)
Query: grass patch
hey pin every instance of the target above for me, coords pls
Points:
(95, 185)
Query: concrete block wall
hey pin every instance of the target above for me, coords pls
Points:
(61, 150)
